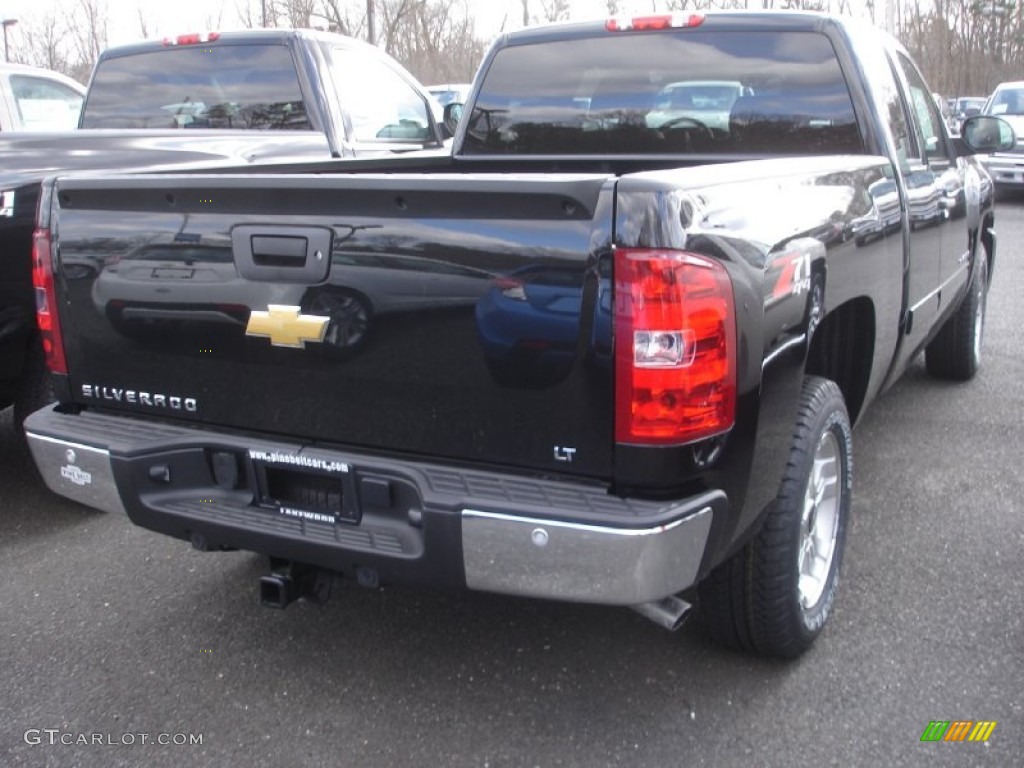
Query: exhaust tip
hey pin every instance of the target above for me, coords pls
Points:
(669, 612)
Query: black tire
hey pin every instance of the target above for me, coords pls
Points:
(769, 598)
(35, 388)
(955, 353)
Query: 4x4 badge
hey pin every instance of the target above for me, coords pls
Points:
(285, 327)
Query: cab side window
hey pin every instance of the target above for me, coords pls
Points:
(381, 105)
(925, 113)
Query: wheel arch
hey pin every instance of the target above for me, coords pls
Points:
(842, 349)
(332, 288)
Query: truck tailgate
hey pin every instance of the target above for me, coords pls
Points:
(463, 317)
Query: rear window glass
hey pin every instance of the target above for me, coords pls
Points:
(669, 92)
(227, 86)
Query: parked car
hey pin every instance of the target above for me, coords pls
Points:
(528, 323)
(964, 107)
(1007, 167)
(34, 99)
(450, 93)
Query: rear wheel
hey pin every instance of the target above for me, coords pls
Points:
(955, 353)
(774, 596)
(35, 388)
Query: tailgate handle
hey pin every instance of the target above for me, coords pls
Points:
(278, 251)
(282, 254)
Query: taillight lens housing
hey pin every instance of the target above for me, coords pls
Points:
(675, 347)
(46, 302)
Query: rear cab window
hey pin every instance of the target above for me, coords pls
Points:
(673, 91)
(249, 87)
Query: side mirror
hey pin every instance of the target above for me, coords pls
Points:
(984, 134)
(452, 115)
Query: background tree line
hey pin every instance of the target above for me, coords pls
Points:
(965, 47)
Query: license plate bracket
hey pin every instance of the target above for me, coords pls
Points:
(307, 493)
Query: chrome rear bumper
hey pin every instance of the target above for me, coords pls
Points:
(79, 472)
(487, 531)
(586, 563)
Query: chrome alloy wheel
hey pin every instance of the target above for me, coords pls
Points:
(820, 520)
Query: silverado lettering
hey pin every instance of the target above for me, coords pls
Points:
(610, 350)
(119, 395)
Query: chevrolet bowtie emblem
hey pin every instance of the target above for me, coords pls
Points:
(285, 327)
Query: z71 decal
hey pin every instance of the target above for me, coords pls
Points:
(795, 277)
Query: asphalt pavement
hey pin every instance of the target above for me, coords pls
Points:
(119, 647)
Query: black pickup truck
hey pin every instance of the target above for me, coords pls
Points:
(608, 351)
(231, 98)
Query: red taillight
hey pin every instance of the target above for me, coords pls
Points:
(661, 21)
(675, 347)
(46, 302)
(196, 38)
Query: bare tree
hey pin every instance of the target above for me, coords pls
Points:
(262, 13)
(215, 21)
(299, 13)
(435, 39)
(964, 47)
(396, 15)
(339, 16)
(44, 42)
(89, 35)
(555, 10)
(143, 26)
